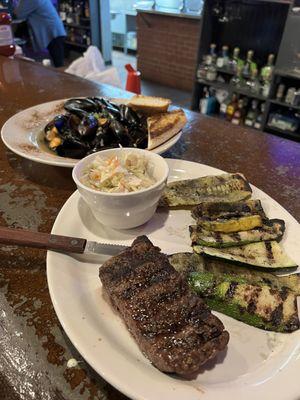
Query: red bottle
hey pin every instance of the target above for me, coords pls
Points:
(7, 47)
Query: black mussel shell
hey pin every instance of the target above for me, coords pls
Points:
(105, 103)
(120, 132)
(129, 116)
(101, 102)
(72, 109)
(96, 148)
(141, 143)
(112, 113)
(138, 133)
(86, 104)
(73, 122)
(72, 148)
(49, 126)
(61, 122)
(88, 126)
(104, 138)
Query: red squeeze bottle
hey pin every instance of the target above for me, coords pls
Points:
(133, 83)
(7, 47)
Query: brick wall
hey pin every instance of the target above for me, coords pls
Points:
(167, 49)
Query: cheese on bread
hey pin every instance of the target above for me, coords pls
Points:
(164, 126)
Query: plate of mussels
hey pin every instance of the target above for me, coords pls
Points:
(61, 132)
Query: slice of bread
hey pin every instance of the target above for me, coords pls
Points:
(162, 127)
(149, 105)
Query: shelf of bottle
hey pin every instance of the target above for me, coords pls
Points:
(83, 46)
(225, 71)
(215, 84)
(77, 26)
(232, 88)
(287, 73)
(281, 132)
(283, 104)
(247, 93)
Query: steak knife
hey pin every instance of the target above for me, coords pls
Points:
(63, 244)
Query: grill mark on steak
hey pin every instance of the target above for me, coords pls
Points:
(172, 326)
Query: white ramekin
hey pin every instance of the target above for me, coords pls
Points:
(124, 210)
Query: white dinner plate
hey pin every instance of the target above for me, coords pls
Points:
(23, 134)
(257, 364)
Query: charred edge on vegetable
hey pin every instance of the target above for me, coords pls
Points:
(269, 251)
(228, 210)
(276, 315)
(231, 290)
(284, 293)
(246, 184)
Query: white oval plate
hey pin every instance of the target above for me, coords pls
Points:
(23, 134)
(257, 364)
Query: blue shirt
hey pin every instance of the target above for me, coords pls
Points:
(43, 19)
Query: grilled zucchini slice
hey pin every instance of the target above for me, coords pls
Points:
(185, 263)
(191, 192)
(270, 230)
(233, 224)
(214, 210)
(257, 305)
(205, 274)
(262, 254)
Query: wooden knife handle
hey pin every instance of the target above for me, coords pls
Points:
(41, 240)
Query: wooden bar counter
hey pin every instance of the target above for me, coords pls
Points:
(34, 349)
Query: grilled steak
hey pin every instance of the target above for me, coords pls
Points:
(172, 326)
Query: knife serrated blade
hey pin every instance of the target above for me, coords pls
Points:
(103, 248)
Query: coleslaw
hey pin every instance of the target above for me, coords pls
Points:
(123, 174)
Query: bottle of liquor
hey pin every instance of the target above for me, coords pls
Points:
(62, 12)
(246, 103)
(87, 9)
(208, 102)
(212, 56)
(232, 106)
(290, 95)
(296, 101)
(267, 70)
(252, 113)
(260, 116)
(254, 83)
(69, 14)
(238, 115)
(212, 102)
(223, 107)
(7, 46)
(280, 92)
(249, 65)
(204, 101)
(77, 13)
(237, 79)
(236, 61)
(266, 87)
(223, 60)
(211, 73)
(202, 69)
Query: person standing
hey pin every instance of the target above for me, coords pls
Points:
(47, 27)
